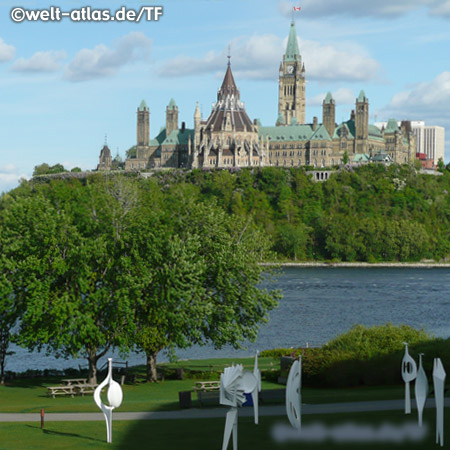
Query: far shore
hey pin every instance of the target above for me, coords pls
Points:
(418, 265)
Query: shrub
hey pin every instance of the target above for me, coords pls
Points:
(366, 356)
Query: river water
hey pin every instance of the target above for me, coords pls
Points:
(318, 304)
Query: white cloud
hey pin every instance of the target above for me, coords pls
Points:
(429, 98)
(441, 9)
(342, 96)
(6, 51)
(40, 62)
(358, 8)
(102, 61)
(259, 56)
(329, 62)
(10, 176)
(426, 101)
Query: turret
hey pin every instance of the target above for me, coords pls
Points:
(143, 124)
(362, 123)
(171, 117)
(329, 114)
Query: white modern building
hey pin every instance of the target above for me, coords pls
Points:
(429, 139)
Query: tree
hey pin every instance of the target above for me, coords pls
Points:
(107, 265)
(345, 158)
(292, 240)
(440, 165)
(73, 278)
(45, 169)
(201, 282)
(8, 312)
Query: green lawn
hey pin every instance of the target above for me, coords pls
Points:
(25, 398)
(30, 395)
(201, 434)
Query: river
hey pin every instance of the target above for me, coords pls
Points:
(318, 304)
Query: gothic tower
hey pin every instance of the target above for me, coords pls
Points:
(291, 93)
(143, 124)
(329, 114)
(361, 123)
(197, 124)
(171, 117)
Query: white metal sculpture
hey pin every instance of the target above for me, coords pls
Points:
(409, 373)
(293, 394)
(255, 395)
(234, 383)
(421, 389)
(115, 397)
(438, 382)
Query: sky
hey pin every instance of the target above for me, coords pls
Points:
(65, 85)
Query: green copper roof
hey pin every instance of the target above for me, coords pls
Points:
(375, 133)
(292, 51)
(361, 157)
(321, 134)
(362, 97)
(328, 98)
(159, 139)
(281, 120)
(349, 125)
(143, 106)
(176, 137)
(287, 134)
(391, 126)
(172, 104)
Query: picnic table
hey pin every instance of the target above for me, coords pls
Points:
(61, 390)
(75, 381)
(72, 387)
(207, 386)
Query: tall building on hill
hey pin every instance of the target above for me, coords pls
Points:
(430, 140)
(229, 138)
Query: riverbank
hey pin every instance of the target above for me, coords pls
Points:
(390, 265)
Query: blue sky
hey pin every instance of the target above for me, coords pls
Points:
(64, 85)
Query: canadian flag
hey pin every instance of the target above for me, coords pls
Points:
(297, 8)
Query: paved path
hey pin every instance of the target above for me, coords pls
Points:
(278, 410)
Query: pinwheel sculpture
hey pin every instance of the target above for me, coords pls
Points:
(114, 397)
(234, 384)
(421, 389)
(438, 382)
(409, 373)
(293, 394)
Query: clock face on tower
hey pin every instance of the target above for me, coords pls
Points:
(290, 69)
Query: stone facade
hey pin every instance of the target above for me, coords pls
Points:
(229, 138)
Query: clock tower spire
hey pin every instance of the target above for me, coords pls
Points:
(291, 93)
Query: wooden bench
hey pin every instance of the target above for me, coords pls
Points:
(60, 390)
(207, 392)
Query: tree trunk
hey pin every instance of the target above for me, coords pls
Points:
(2, 370)
(151, 367)
(4, 343)
(92, 361)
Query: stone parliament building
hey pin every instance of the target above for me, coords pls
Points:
(229, 138)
